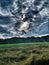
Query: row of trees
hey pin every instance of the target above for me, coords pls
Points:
(25, 40)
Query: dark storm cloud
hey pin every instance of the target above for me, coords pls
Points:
(24, 18)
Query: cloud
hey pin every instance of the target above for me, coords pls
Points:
(23, 18)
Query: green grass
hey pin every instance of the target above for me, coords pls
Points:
(22, 44)
(36, 53)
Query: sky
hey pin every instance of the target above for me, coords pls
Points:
(24, 18)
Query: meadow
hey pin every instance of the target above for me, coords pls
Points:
(36, 53)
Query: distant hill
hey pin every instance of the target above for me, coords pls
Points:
(25, 40)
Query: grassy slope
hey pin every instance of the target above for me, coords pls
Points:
(25, 54)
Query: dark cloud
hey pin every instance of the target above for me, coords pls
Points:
(23, 18)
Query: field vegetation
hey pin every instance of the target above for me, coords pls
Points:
(24, 54)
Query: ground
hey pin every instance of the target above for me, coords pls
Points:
(36, 53)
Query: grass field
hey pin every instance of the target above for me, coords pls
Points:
(23, 44)
(36, 53)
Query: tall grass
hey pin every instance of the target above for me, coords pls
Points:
(24, 54)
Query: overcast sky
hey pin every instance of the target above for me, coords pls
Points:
(24, 18)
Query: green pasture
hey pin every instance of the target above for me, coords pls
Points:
(22, 44)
